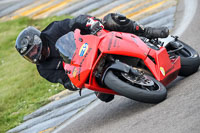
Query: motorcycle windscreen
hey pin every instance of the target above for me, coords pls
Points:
(66, 46)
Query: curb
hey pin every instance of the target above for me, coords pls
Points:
(56, 112)
(15, 7)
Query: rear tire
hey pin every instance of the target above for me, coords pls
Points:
(190, 60)
(136, 93)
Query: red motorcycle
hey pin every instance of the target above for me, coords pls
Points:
(125, 64)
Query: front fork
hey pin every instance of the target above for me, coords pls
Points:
(120, 66)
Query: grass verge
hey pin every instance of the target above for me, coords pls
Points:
(22, 90)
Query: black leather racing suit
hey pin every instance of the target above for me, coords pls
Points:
(52, 69)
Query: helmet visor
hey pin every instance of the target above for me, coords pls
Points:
(34, 52)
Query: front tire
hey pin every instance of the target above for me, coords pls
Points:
(137, 93)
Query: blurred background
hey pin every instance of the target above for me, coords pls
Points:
(37, 9)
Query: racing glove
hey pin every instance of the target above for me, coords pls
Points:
(94, 25)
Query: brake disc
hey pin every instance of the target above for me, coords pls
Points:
(143, 80)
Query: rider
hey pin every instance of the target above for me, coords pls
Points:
(39, 47)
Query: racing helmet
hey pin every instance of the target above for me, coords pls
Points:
(29, 44)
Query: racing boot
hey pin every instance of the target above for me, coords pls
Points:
(104, 97)
(119, 22)
(161, 32)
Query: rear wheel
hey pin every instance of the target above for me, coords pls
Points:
(144, 89)
(190, 60)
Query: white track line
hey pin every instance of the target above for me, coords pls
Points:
(189, 12)
(190, 7)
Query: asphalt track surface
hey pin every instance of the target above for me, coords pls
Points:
(179, 113)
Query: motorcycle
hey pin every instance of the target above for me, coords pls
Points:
(125, 64)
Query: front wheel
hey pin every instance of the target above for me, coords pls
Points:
(146, 89)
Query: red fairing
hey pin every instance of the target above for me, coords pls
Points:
(91, 48)
(164, 69)
(83, 58)
(124, 44)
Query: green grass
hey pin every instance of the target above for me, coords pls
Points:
(22, 90)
